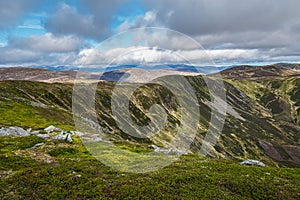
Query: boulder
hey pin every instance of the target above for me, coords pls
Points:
(13, 131)
(34, 132)
(253, 163)
(45, 136)
(51, 128)
(77, 133)
(169, 151)
(64, 136)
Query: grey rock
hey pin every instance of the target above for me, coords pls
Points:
(13, 131)
(169, 151)
(63, 136)
(34, 132)
(253, 163)
(77, 133)
(51, 128)
(45, 136)
(36, 146)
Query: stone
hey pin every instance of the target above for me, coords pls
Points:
(63, 136)
(45, 136)
(253, 163)
(36, 146)
(13, 131)
(51, 128)
(168, 151)
(34, 132)
(77, 133)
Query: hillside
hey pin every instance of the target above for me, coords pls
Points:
(262, 123)
(69, 76)
(263, 72)
(258, 118)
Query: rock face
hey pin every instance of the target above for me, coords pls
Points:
(253, 163)
(13, 131)
(64, 136)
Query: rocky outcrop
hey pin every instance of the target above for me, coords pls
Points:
(253, 163)
(14, 131)
(62, 136)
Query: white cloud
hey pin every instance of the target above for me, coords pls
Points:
(139, 54)
(148, 19)
(12, 10)
(47, 43)
(68, 21)
(41, 49)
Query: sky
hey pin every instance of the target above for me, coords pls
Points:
(72, 32)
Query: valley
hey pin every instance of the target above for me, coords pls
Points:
(262, 123)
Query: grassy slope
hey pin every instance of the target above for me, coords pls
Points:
(191, 177)
(16, 98)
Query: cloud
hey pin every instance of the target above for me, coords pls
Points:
(256, 25)
(41, 49)
(68, 21)
(140, 55)
(210, 16)
(231, 31)
(148, 19)
(47, 43)
(94, 25)
(12, 10)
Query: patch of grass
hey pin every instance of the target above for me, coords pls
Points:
(10, 144)
(63, 151)
(188, 178)
(26, 116)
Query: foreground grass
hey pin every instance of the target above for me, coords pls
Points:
(75, 174)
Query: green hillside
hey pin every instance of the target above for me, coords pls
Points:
(262, 123)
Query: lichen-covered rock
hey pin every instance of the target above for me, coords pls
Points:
(77, 133)
(45, 136)
(64, 136)
(13, 131)
(51, 128)
(253, 163)
(36, 146)
(168, 151)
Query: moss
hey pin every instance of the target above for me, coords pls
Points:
(62, 151)
(10, 144)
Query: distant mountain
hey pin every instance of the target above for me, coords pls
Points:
(141, 75)
(275, 70)
(170, 67)
(41, 75)
(145, 73)
(123, 75)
